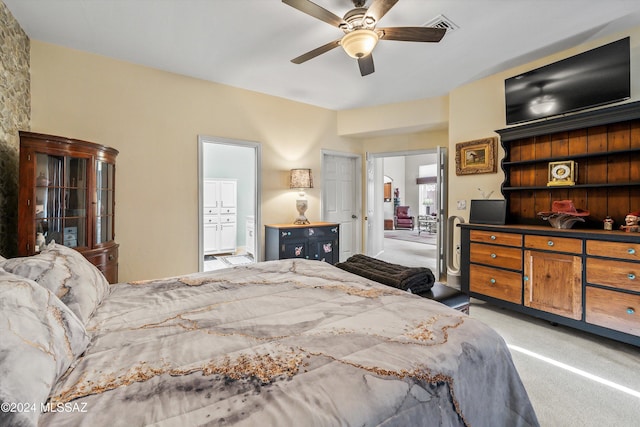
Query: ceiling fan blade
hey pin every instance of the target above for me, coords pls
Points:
(379, 8)
(413, 34)
(316, 52)
(366, 65)
(316, 11)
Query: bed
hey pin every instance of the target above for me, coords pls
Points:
(278, 343)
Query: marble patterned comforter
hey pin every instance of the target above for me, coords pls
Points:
(285, 343)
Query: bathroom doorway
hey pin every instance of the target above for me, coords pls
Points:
(228, 202)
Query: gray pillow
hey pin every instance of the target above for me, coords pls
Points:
(66, 273)
(41, 338)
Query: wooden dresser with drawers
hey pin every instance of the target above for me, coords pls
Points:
(587, 279)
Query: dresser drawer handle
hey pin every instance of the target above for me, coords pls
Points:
(493, 237)
(630, 310)
(631, 251)
(493, 281)
(631, 276)
(494, 256)
(550, 243)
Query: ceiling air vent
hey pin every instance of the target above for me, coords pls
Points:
(443, 22)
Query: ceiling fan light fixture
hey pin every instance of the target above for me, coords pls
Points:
(542, 104)
(359, 43)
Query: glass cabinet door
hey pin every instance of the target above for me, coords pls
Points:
(61, 200)
(104, 201)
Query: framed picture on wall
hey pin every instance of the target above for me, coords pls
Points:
(475, 157)
(387, 191)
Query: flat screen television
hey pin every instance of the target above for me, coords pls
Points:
(596, 77)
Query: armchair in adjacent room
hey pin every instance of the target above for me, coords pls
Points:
(403, 218)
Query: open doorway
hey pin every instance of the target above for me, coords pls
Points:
(406, 204)
(228, 214)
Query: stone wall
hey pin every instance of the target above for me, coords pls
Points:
(15, 114)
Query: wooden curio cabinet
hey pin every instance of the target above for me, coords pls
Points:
(67, 195)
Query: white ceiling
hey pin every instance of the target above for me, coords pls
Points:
(249, 43)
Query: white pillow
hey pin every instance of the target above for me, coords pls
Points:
(66, 273)
(41, 338)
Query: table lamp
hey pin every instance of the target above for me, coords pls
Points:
(301, 179)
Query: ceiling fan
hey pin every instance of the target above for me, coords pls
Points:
(360, 32)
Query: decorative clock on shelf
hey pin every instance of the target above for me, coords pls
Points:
(562, 173)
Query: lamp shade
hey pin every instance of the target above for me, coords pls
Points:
(359, 43)
(301, 178)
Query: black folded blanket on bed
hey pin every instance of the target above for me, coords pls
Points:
(413, 279)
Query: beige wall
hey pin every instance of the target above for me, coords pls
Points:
(407, 117)
(406, 141)
(153, 118)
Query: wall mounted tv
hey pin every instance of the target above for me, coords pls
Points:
(596, 77)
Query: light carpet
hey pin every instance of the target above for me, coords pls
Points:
(411, 236)
(573, 378)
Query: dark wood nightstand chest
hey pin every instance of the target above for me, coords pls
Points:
(316, 241)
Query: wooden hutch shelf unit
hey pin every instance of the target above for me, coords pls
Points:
(66, 194)
(604, 143)
(584, 277)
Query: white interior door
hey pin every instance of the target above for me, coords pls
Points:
(441, 202)
(340, 201)
(375, 206)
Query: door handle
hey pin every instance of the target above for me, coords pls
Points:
(354, 216)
